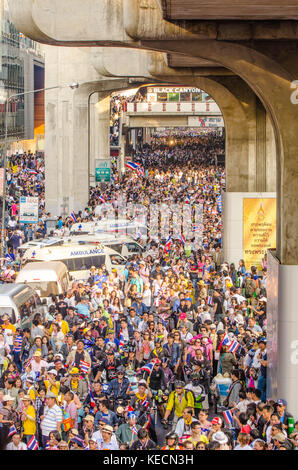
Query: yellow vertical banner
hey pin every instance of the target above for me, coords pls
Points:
(259, 229)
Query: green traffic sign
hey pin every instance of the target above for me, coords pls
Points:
(103, 174)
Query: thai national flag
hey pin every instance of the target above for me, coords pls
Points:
(102, 199)
(141, 171)
(234, 346)
(84, 366)
(145, 402)
(225, 341)
(32, 172)
(148, 367)
(195, 228)
(32, 444)
(134, 429)
(73, 216)
(168, 244)
(132, 165)
(228, 417)
(121, 340)
(92, 400)
(182, 238)
(12, 430)
(209, 300)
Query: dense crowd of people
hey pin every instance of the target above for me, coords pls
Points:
(171, 355)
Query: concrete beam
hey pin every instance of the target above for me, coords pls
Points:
(125, 22)
(229, 9)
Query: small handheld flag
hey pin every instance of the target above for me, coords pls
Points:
(92, 400)
(101, 199)
(228, 417)
(84, 366)
(73, 217)
(209, 300)
(182, 239)
(12, 430)
(32, 444)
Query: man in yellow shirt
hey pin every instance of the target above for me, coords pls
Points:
(28, 416)
(178, 400)
(196, 435)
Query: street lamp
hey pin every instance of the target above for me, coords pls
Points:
(6, 99)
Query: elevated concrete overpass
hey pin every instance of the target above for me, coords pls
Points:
(244, 55)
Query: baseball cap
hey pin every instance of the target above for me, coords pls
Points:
(8, 398)
(37, 354)
(50, 395)
(104, 420)
(216, 420)
(53, 371)
(282, 402)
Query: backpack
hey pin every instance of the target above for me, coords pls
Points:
(250, 287)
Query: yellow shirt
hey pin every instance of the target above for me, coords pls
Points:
(52, 388)
(202, 439)
(29, 426)
(180, 405)
(64, 328)
(32, 393)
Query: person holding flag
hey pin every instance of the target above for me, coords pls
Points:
(128, 432)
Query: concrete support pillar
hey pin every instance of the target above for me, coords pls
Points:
(121, 158)
(99, 130)
(270, 156)
(261, 160)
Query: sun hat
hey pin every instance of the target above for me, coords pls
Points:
(53, 371)
(74, 371)
(220, 437)
(37, 354)
(107, 428)
(8, 398)
(280, 437)
(51, 395)
(26, 397)
(89, 418)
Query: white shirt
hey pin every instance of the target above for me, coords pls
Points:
(21, 446)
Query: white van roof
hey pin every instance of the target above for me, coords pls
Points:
(18, 291)
(32, 272)
(51, 241)
(67, 251)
